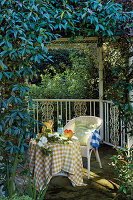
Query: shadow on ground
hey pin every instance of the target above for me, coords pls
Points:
(102, 184)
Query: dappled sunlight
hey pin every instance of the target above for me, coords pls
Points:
(106, 184)
(92, 174)
(100, 182)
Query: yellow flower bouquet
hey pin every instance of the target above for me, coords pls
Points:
(47, 136)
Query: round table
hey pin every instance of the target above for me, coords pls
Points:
(65, 159)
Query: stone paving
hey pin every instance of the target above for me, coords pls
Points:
(102, 184)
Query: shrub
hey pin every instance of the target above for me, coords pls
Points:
(123, 165)
(16, 197)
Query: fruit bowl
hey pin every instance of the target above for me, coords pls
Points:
(68, 133)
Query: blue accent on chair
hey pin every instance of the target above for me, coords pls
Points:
(95, 139)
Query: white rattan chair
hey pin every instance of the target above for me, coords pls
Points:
(87, 150)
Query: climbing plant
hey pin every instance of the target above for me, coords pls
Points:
(118, 86)
(119, 82)
(24, 33)
(26, 27)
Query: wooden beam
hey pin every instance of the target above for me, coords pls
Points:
(76, 40)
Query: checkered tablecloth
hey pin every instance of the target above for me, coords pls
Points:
(64, 157)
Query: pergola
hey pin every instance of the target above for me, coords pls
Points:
(99, 53)
(97, 43)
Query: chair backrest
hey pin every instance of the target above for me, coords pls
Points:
(89, 120)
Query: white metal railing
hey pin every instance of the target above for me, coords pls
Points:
(45, 109)
(114, 134)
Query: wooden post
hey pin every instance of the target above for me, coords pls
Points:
(100, 51)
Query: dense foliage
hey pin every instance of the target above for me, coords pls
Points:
(76, 77)
(26, 29)
(119, 79)
(123, 165)
(93, 18)
(118, 86)
(123, 85)
(16, 197)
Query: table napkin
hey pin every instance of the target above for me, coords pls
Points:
(95, 139)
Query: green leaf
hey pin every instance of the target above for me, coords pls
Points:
(25, 25)
(15, 88)
(21, 115)
(102, 27)
(65, 26)
(15, 33)
(44, 48)
(62, 14)
(84, 15)
(109, 32)
(124, 190)
(2, 53)
(9, 45)
(10, 131)
(7, 74)
(36, 58)
(129, 88)
(22, 149)
(22, 38)
(95, 6)
(97, 28)
(2, 2)
(96, 19)
(2, 43)
(0, 75)
(126, 106)
(4, 104)
(11, 150)
(2, 140)
(56, 26)
(0, 128)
